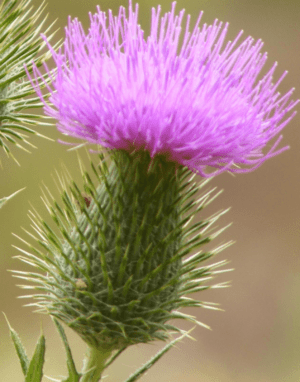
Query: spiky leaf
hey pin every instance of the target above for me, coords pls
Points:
(20, 349)
(20, 44)
(74, 376)
(35, 368)
(142, 370)
(32, 370)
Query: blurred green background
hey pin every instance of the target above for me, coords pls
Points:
(257, 338)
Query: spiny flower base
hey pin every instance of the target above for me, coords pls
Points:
(117, 273)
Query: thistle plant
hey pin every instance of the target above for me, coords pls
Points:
(20, 43)
(119, 261)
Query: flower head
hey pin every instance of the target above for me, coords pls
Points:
(199, 103)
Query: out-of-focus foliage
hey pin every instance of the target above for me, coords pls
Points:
(20, 44)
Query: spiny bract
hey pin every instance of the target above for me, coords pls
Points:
(118, 272)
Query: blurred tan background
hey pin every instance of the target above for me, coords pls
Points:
(257, 338)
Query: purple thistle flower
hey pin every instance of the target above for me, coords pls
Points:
(199, 103)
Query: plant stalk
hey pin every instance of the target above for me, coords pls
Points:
(94, 363)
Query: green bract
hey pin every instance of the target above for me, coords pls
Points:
(20, 44)
(118, 270)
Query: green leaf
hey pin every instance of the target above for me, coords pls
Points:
(74, 376)
(32, 370)
(7, 198)
(21, 352)
(35, 369)
(136, 375)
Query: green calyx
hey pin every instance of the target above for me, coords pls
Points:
(20, 44)
(118, 271)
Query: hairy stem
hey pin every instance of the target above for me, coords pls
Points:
(94, 364)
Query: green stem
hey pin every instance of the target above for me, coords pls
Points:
(94, 364)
